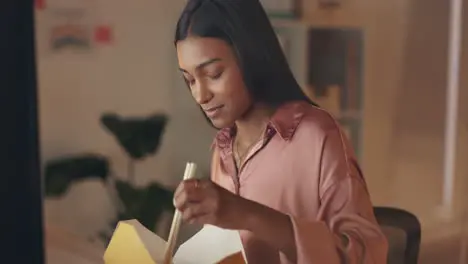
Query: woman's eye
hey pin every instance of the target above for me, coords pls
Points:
(216, 76)
(190, 81)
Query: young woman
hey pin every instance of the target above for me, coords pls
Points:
(283, 173)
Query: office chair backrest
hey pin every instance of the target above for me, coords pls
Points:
(393, 220)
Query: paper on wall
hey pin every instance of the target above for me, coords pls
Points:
(133, 243)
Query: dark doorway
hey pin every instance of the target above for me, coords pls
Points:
(21, 223)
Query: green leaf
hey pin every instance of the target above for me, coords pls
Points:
(144, 204)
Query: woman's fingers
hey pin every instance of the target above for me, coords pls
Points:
(195, 211)
(189, 191)
(186, 185)
(199, 201)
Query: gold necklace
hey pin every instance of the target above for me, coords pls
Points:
(239, 158)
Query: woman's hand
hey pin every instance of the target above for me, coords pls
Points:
(204, 202)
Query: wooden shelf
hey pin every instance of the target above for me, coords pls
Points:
(343, 98)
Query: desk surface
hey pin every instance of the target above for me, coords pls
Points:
(62, 246)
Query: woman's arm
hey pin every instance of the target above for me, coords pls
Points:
(345, 229)
(271, 226)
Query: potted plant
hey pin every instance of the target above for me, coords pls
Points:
(139, 138)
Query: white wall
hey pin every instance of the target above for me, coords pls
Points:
(419, 120)
(134, 76)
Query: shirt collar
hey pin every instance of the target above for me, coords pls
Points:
(284, 121)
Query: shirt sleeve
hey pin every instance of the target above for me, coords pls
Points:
(345, 230)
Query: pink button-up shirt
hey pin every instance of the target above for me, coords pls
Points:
(305, 168)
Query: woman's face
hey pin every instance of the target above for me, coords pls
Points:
(211, 70)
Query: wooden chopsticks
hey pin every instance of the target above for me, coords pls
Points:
(189, 173)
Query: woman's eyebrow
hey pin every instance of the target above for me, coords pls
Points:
(203, 64)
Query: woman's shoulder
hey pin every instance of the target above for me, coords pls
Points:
(317, 122)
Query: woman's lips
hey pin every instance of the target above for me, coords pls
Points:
(213, 111)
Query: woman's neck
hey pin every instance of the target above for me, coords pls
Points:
(249, 128)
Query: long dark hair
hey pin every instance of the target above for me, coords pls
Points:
(245, 26)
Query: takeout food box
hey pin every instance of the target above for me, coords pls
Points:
(133, 243)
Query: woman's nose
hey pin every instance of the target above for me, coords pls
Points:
(202, 94)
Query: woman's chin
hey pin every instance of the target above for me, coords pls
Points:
(221, 123)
